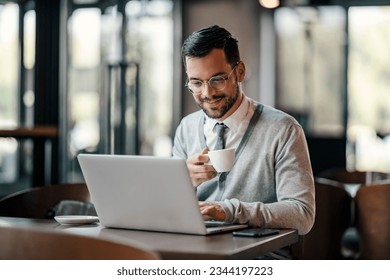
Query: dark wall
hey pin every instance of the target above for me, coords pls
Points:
(326, 153)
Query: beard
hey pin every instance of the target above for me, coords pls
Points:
(218, 105)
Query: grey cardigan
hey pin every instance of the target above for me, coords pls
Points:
(271, 183)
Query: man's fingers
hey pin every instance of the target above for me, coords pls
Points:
(211, 211)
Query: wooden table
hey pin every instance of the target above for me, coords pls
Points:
(171, 245)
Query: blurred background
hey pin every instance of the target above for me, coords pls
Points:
(89, 76)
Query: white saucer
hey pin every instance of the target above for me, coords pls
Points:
(76, 219)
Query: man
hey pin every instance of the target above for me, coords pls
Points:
(271, 182)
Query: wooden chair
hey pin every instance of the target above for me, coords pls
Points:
(39, 202)
(352, 180)
(345, 176)
(333, 217)
(373, 221)
(27, 244)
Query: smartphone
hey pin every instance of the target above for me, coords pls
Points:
(256, 232)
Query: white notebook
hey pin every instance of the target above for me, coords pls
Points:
(145, 193)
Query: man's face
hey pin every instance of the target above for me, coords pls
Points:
(217, 104)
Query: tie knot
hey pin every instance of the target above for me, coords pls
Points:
(220, 128)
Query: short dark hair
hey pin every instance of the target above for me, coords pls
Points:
(202, 42)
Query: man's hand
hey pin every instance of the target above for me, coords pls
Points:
(199, 171)
(212, 211)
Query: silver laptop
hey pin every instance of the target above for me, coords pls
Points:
(145, 193)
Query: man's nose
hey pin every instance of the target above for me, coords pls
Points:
(207, 90)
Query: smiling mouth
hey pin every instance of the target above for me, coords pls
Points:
(213, 101)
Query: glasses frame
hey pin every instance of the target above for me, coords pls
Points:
(208, 81)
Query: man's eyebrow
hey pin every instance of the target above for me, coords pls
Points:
(191, 79)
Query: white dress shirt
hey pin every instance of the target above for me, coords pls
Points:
(237, 124)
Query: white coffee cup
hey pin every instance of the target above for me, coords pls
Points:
(222, 160)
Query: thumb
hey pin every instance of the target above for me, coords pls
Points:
(205, 150)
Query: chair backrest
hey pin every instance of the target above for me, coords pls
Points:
(39, 202)
(33, 244)
(373, 221)
(333, 217)
(345, 176)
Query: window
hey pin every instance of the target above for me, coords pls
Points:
(16, 92)
(9, 42)
(369, 89)
(333, 76)
(119, 80)
(311, 66)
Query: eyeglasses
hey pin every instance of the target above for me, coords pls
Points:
(216, 83)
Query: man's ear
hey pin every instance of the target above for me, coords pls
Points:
(241, 71)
